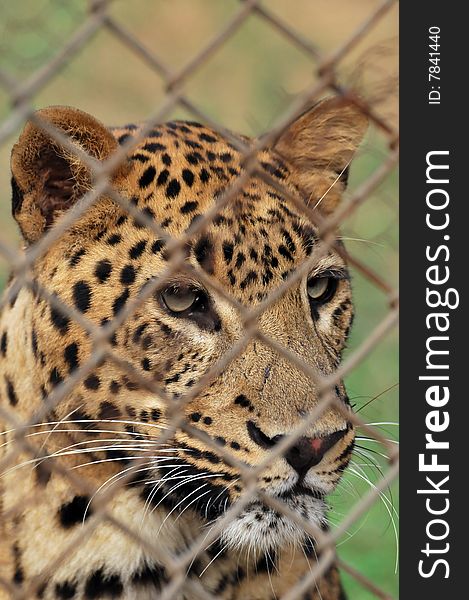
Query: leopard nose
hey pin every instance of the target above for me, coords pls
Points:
(308, 452)
(305, 452)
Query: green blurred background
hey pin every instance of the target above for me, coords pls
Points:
(245, 86)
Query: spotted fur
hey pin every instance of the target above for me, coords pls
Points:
(104, 261)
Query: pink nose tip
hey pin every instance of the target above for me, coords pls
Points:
(316, 443)
(308, 452)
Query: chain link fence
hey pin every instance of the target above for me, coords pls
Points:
(21, 91)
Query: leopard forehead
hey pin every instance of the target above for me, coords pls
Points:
(179, 172)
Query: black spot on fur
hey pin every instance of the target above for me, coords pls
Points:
(173, 188)
(114, 239)
(162, 177)
(114, 387)
(107, 410)
(239, 260)
(123, 138)
(148, 176)
(59, 320)
(34, 342)
(242, 401)
(139, 332)
(71, 356)
(76, 257)
(188, 177)
(154, 575)
(137, 249)
(43, 472)
(207, 138)
(99, 585)
(73, 512)
(55, 377)
(12, 397)
(189, 207)
(157, 246)
(18, 576)
(251, 277)
(154, 147)
(82, 296)
(204, 175)
(283, 251)
(120, 301)
(155, 414)
(204, 254)
(4, 343)
(140, 157)
(194, 158)
(92, 382)
(227, 251)
(65, 590)
(103, 270)
(273, 170)
(127, 275)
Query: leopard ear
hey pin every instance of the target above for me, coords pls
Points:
(48, 179)
(319, 145)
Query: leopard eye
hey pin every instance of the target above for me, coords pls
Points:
(178, 299)
(192, 303)
(321, 289)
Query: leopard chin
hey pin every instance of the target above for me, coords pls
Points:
(259, 529)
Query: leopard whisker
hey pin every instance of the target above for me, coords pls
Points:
(114, 478)
(181, 502)
(157, 484)
(311, 541)
(371, 451)
(376, 397)
(63, 421)
(333, 184)
(55, 426)
(192, 501)
(390, 509)
(351, 239)
(374, 464)
(123, 473)
(185, 480)
(213, 559)
(68, 452)
(226, 488)
(379, 423)
(370, 439)
(93, 431)
(152, 458)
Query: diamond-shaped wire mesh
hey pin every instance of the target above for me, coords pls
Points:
(36, 49)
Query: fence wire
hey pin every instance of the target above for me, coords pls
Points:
(21, 95)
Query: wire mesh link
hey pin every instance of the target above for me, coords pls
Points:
(21, 96)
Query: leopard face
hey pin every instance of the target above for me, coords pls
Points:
(178, 334)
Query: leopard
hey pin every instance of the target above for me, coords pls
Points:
(132, 399)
